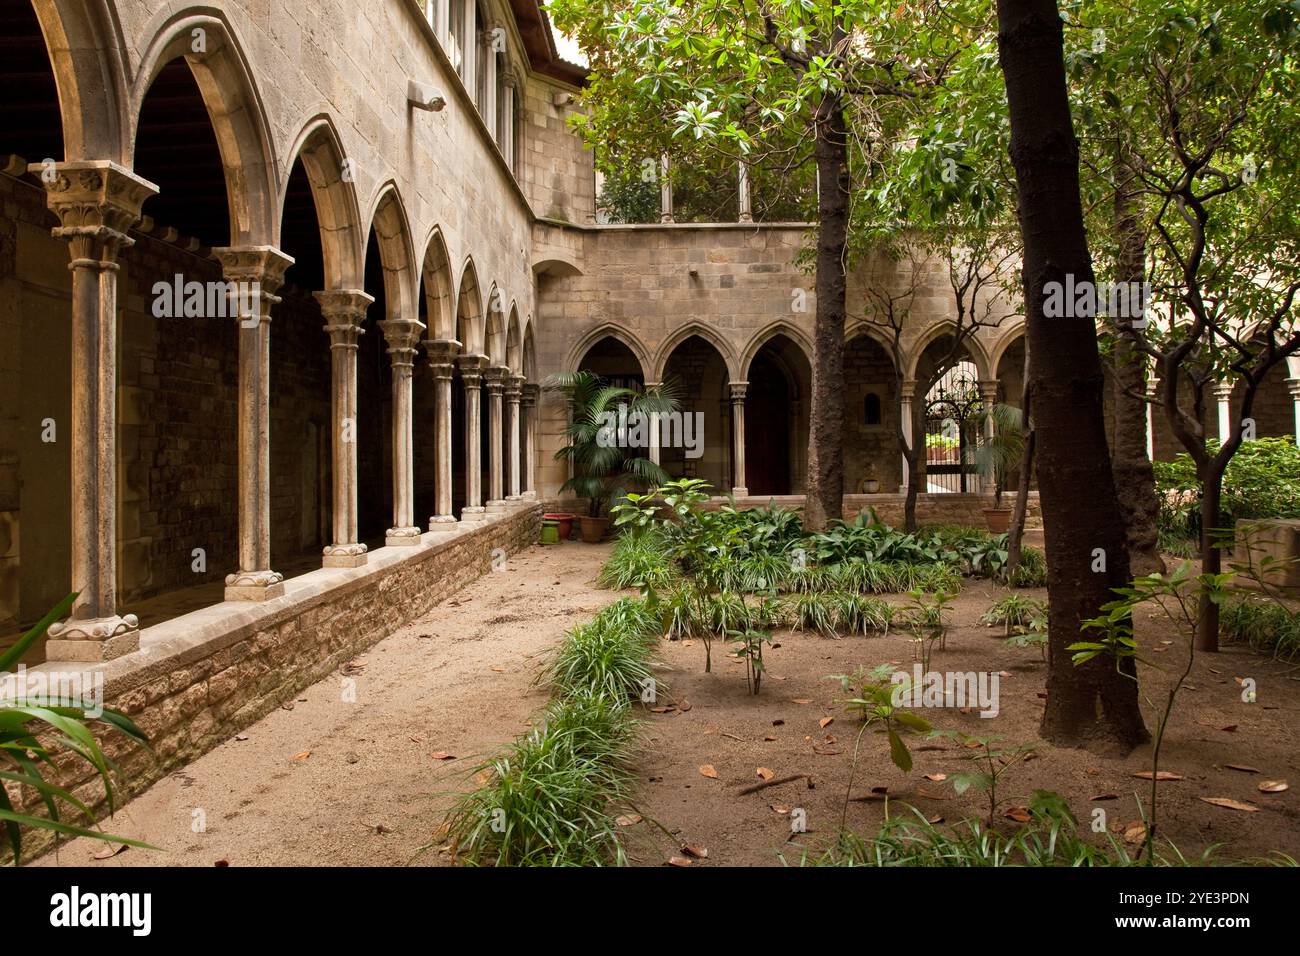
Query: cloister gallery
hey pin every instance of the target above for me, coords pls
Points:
(399, 185)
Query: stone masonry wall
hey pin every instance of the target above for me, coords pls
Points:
(201, 678)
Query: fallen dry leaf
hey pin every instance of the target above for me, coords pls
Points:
(628, 819)
(443, 755)
(706, 770)
(765, 773)
(699, 852)
(936, 777)
(1244, 768)
(678, 861)
(1019, 814)
(499, 670)
(1135, 833)
(1230, 804)
(1106, 796)
(802, 700)
(1273, 786)
(1160, 775)
(485, 777)
(302, 756)
(825, 722)
(109, 852)
(780, 808)
(769, 738)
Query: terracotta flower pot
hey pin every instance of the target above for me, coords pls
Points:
(566, 523)
(998, 519)
(593, 529)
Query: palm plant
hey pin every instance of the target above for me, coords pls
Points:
(996, 456)
(605, 465)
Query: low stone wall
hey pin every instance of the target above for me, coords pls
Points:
(199, 678)
(1273, 548)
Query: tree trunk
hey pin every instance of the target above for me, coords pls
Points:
(825, 498)
(1096, 702)
(1135, 480)
(1207, 612)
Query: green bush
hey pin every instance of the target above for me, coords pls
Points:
(1261, 481)
(1264, 624)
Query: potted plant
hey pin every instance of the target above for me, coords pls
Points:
(996, 457)
(870, 483)
(607, 432)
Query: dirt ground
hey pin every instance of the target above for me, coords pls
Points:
(459, 681)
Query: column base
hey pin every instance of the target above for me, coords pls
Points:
(514, 499)
(473, 513)
(254, 585)
(93, 639)
(740, 492)
(344, 556)
(443, 524)
(402, 537)
(496, 506)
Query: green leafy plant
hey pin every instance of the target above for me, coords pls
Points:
(872, 695)
(1268, 626)
(990, 762)
(998, 455)
(749, 647)
(33, 731)
(610, 654)
(1014, 611)
(1180, 596)
(814, 612)
(605, 467)
(927, 619)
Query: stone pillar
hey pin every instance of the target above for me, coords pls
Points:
(738, 439)
(344, 312)
(469, 46)
(261, 268)
(989, 396)
(471, 374)
(514, 395)
(402, 336)
(1293, 385)
(906, 392)
(494, 378)
(746, 202)
(1223, 395)
(665, 190)
(490, 81)
(530, 439)
(442, 358)
(96, 203)
(652, 452)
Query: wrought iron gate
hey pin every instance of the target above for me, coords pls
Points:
(952, 431)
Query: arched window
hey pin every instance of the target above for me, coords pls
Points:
(871, 409)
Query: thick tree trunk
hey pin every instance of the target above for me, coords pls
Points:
(1087, 553)
(1135, 480)
(1207, 616)
(825, 499)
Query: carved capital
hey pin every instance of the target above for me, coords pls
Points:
(738, 390)
(259, 269)
(515, 388)
(441, 352)
(96, 202)
(344, 311)
(472, 368)
(402, 336)
(531, 393)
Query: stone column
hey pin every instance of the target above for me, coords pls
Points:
(471, 374)
(96, 203)
(402, 336)
(906, 392)
(738, 439)
(1223, 395)
(442, 358)
(260, 268)
(514, 394)
(652, 452)
(530, 439)
(494, 378)
(1293, 385)
(746, 202)
(989, 396)
(345, 312)
(665, 190)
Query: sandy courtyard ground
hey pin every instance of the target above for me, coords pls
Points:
(335, 783)
(370, 792)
